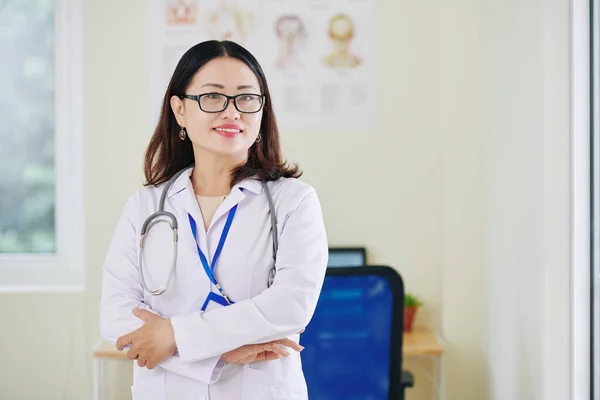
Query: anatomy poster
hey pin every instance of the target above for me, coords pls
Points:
(318, 55)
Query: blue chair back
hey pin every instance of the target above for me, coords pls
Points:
(353, 344)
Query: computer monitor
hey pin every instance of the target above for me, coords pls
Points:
(347, 257)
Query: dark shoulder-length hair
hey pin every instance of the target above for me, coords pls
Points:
(167, 153)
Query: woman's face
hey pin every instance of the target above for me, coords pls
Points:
(228, 132)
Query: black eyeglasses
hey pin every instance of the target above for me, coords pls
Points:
(217, 102)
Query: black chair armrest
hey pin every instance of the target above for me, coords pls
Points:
(407, 379)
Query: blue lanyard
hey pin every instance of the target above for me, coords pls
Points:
(211, 269)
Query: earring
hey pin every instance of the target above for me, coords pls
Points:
(258, 138)
(182, 133)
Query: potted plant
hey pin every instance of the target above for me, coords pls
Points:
(411, 306)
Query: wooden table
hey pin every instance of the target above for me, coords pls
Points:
(424, 343)
(108, 350)
(421, 342)
(104, 351)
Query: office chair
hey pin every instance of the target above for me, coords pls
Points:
(353, 344)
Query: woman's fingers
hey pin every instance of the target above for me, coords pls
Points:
(291, 344)
(247, 360)
(262, 356)
(141, 360)
(275, 348)
(132, 354)
(237, 355)
(269, 355)
(280, 350)
(261, 352)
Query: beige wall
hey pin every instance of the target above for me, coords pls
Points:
(467, 158)
(461, 272)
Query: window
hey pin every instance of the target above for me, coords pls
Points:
(40, 145)
(27, 115)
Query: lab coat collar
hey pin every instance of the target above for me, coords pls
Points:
(184, 182)
(185, 196)
(251, 184)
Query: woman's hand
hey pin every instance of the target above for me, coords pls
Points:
(152, 343)
(260, 352)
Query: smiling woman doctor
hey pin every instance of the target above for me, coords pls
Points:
(244, 237)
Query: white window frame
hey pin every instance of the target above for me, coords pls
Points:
(64, 269)
(594, 272)
(581, 198)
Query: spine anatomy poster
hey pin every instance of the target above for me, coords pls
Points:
(318, 55)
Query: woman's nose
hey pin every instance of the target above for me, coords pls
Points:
(230, 111)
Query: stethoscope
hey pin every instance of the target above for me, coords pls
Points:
(172, 221)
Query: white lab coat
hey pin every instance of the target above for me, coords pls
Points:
(260, 313)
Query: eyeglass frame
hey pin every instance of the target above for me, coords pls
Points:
(197, 98)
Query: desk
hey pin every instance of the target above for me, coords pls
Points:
(108, 350)
(421, 342)
(424, 343)
(104, 351)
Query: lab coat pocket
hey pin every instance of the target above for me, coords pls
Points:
(262, 385)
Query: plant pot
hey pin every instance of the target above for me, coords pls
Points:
(409, 316)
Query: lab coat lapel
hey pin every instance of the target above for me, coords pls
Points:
(230, 201)
(184, 197)
(238, 193)
(186, 200)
